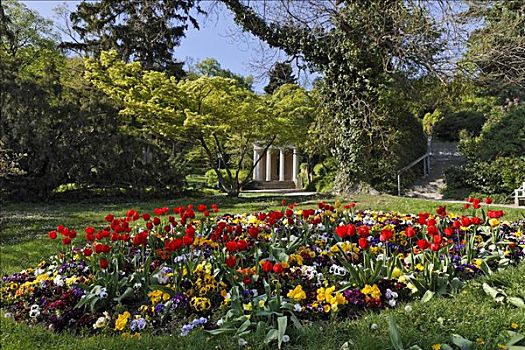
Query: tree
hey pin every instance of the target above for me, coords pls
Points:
(56, 128)
(367, 52)
(212, 68)
(140, 30)
(280, 74)
(496, 51)
(222, 117)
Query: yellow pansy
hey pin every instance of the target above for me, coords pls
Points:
(122, 320)
(297, 293)
(371, 291)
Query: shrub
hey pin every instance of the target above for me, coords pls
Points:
(213, 182)
(324, 177)
(501, 176)
(449, 127)
(501, 136)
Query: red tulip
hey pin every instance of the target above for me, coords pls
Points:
(267, 266)
(88, 251)
(187, 240)
(109, 218)
(488, 200)
(363, 231)
(156, 221)
(66, 241)
(363, 243)
(247, 280)
(385, 235)
(466, 206)
(103, 263)
(231, 246)
(465, 221)
(448, 231)
(52, 234)
(437, 239)
(422, 244)
(350, 230)
(432, 230)
(441, 211)
(242, 245)
(278, 268)
(434, 247)
(230, 261)
(341, 231)
(206, 213)
(410, 232)
(456, 224)
(253, 231)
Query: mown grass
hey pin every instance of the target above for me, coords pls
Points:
(472, 314)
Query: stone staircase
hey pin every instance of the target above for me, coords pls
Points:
(270, 185)
(444, 155)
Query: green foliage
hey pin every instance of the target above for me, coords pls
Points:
(449, 127)
(217, 114)
(430, 120)
(365, 70)
(280, 74)
(502, 136)
(212, 180)
(501, 176)
(212, 68)
(323, 177)
(495, 158)
(142, 31)
(57, 129)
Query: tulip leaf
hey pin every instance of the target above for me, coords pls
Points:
(497, 294)
(462, 343)
(282, 322)
(516, 301)
(446, 347)
(395, 336)
(271, 335)
(515, 340)
(427, 296)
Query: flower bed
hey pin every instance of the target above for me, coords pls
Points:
(180, 269)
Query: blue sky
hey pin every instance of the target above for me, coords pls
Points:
(214, 39)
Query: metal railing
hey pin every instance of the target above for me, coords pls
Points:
(426, 169)
(426, 165)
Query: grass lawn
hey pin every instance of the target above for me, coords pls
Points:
(472, 314)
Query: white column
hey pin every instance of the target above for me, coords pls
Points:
(256, 168)
(281, 164)
(295, 169)
(269, 165)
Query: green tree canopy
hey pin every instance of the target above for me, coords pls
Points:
(212, 68)
(222, 117)
(367, 52)
(280, 74)
(139, 30)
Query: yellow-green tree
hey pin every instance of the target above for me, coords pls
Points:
(216, 113)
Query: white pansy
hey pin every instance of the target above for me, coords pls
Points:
(58, 281)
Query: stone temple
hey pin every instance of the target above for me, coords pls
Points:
(277, 168)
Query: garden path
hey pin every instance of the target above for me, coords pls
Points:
(444, 155)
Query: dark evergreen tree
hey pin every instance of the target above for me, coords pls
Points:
(280, 74)
(146, 31)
